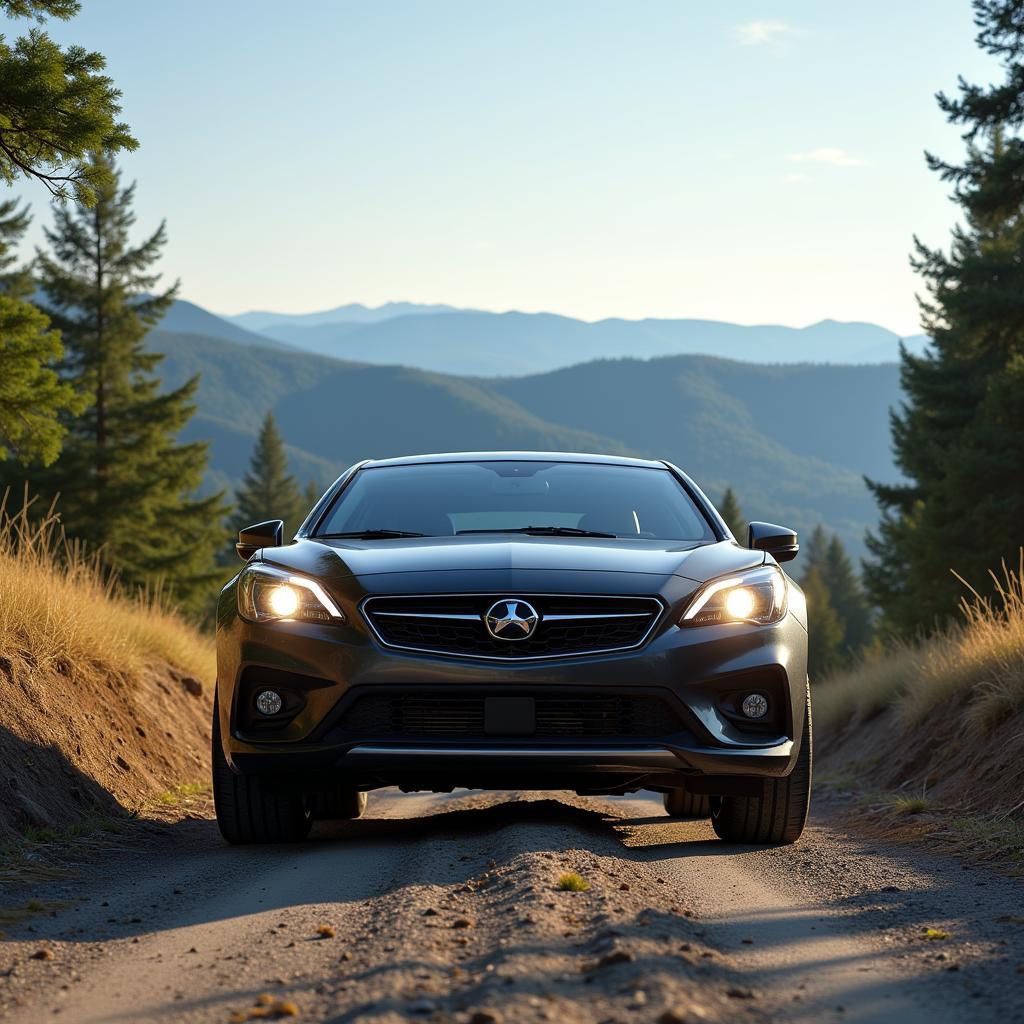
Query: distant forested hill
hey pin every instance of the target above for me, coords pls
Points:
(793, 441)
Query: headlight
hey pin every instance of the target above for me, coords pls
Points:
(758, 595)
(265, 593)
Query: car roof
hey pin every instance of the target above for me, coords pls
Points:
(608, 460)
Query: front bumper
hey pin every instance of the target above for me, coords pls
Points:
(690, 668)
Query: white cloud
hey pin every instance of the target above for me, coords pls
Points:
(796, 179)
(827, 155)
(763, 33)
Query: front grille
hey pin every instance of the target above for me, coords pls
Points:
(454, 624)
(462, 716)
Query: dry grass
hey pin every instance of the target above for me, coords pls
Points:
(573, 882)
(977, 666)
(57, 611)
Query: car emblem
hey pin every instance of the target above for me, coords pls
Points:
(511, 619)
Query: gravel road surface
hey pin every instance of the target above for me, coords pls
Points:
(447, 908)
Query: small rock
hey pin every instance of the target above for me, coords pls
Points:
(192, 686)
(43, 954)
(747, 942)
(740, 993)
(122, 763)
(616, 956)
(325, 931)
(678, 1015)
(421, 1006)
(624, 887)
(430, 912)
(463, 922)
(485, 1017)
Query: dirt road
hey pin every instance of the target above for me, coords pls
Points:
(446, 908)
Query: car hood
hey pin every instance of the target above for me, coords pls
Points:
(342, 558)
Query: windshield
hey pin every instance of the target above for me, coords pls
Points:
(445, 499)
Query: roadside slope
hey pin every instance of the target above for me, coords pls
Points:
(103, 701)
(933, 732)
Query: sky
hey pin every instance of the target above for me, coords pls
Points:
(752, 162)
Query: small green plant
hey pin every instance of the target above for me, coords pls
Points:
(572, 882)
(181, 794)
(33, 834)
(909, 804)
(935, 934)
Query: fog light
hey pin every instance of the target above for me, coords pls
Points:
(268, 702)
(755, 705)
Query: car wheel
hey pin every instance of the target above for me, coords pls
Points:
(681, 803)
(777, 814)
(253, 808)
(338, 803)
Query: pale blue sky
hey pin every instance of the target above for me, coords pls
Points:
(754, 162)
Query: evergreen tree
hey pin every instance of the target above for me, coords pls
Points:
(31, 393)
(824, 629)
(733, 516)
(127, 487)
(839, 618)
(15, 282)
(311, 496)
(268, 491)
(953, 438)
(846, 596)
(56, 108)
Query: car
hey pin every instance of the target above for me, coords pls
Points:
(512, 620)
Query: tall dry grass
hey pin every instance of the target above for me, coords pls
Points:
(58, 609)
(977, 665)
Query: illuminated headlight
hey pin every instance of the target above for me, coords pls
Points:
(266, 593)
(758, 595)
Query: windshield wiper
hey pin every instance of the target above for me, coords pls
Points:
(547, 531)
(369, 534)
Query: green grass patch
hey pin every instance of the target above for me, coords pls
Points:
(572, 882)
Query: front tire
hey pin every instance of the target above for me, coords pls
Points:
(253, 808)
(776, 816)
(681, 803)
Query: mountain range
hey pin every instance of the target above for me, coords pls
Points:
(793, 440)
(465, 341)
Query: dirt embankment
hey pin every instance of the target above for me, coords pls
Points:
(935, 761)
(79, 745)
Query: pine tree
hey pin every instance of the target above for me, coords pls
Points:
(56, 108)
(15, 282)
(31, 393)
(953, 438)
(824, 629)
(127, 487)
(268, 491)
(730, 511)
(311, 496)
(846, 596)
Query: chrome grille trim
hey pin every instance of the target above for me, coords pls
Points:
(655, 611)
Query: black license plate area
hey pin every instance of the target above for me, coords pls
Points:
(510, 716)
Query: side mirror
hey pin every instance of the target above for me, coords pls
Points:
(778, 541)
(262, 535)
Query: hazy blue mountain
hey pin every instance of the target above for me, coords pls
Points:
(793, 441)
(188, 318)
(354, 312)
(496, 344)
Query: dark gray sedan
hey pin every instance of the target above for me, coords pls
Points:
(512, 620)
